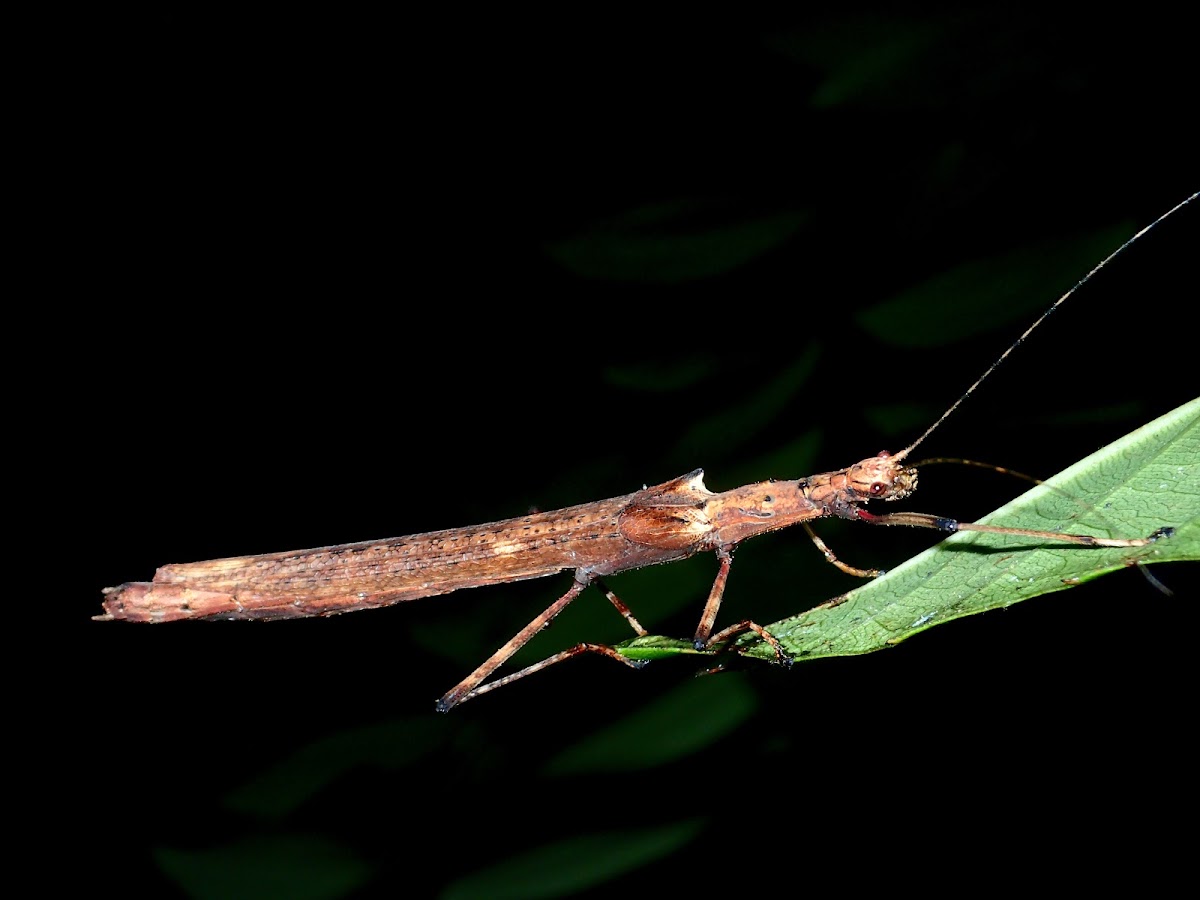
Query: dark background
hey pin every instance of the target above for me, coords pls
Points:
(364, 278)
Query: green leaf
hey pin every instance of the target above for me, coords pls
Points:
(574, 864)
(662, 244)
(287, 784)
(984, 294)
(296, 867)
(734, 427)
(702, 711)
(1147, 480)
(863, 56)
(1144, 481)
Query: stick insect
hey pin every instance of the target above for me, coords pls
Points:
(653, 526)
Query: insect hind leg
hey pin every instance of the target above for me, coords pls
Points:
(472, 686)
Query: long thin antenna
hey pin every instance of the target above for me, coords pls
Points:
(1057, 303)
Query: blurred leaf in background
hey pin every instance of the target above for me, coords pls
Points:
(378, 277)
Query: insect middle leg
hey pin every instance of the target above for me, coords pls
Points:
(705, 639)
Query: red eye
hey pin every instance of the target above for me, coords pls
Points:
(878, 487)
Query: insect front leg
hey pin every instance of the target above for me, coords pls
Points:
(833, 560)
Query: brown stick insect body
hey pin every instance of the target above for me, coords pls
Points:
(659, 524)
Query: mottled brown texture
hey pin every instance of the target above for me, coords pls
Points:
(655, 525)
(349, 577)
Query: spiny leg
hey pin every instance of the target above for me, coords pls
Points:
(713, 604)
(781, 655)
(704, 638)
(472, 685)
(621, 608)
(602, 649)
(469, 686)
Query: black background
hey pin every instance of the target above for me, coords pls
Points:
(329, 309)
